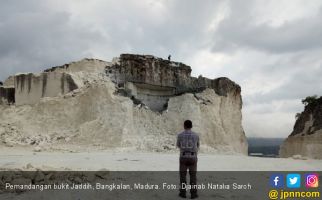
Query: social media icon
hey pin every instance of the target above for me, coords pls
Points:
(277, 180)
(293, 180)
(312, 180)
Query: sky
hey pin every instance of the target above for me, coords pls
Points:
(271, 48)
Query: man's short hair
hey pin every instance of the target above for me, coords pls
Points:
(187, 124)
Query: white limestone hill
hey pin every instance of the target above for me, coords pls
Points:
(135, 103)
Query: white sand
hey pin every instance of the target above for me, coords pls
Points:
(19, 158)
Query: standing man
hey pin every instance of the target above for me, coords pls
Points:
(169, 58)
(188, 142)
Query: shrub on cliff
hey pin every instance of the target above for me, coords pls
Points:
(310, 100)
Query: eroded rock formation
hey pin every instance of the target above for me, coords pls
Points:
(30, 88)
(152, 81)
(136, 102)
(306, 138)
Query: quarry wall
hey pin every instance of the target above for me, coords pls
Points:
(152, 81)
(30, 88)
(153, 96)
(306, 137)
(151, 70)
(136, 102)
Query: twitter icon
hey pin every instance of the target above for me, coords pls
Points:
(293, 180)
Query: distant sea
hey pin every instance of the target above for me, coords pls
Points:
(264, 147)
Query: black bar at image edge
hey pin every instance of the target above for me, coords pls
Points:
(149, 185)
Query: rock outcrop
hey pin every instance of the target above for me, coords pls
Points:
(306, 138)
(134, 102)
(30, 88)
(152, 81)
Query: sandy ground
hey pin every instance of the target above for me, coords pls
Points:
(19, 158)
(26, 159)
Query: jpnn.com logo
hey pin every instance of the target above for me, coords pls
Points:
(293, 181)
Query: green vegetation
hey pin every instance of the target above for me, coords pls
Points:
(310, 100)
(297, 115)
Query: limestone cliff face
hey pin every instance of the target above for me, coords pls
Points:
(306, 138)
(30, 88)
(152, 81)
(146, 69)
(134, 102)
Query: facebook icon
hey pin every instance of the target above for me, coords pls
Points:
(277, 180)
